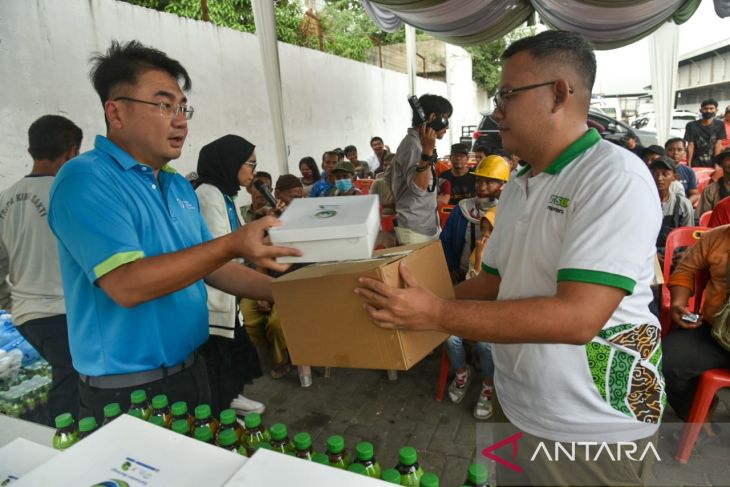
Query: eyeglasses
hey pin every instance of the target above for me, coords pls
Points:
(250, 163)
(166, 110)
(503, 95)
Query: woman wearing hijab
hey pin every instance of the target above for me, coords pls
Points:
(224, 166)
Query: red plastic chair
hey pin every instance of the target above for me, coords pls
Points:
(705, 218)
(387, 223)
(443, 374)
(710, 382)
(679, 237)
(363, 185)
(444, 212)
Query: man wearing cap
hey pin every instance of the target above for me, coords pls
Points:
(676, 209)
(344, 176)
(718, 190)
(675, 150)
(460, 179)
(632, 144)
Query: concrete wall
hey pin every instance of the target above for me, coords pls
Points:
(329, 101)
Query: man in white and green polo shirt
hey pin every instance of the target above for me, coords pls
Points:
(564, 291)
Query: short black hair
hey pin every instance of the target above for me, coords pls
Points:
(373, 139)
(52, 135)
(330, 153)
(432, 104)
(263, 175)
(559, 47)
(124, 62)
(709, 101)
(312, 165)
(673, 140)
(350, 148)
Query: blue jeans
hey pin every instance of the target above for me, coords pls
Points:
(457, 356)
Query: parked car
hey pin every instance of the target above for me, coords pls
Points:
(611, 129)
(645, 125)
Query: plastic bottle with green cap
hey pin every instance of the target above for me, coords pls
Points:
(321, 458)
(111, 412)
(477, 476)
(87, 426)
(228, 440)
(303, 445)
(365, 454)
(253, 433)
(204, 417)
(410, 471)
(181, 426)
(161, 408)
(264, 445)
(66, 433)
(429, 480)
(204, 434)
(228, 422)
(140, 403)
(391, 476)
(357, 468)
(136, 413)
(336, 452)
(280, 439)
(157, 421)
(179, 411)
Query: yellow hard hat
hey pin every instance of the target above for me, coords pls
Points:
(493, 167)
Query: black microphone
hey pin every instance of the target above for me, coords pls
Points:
(261, 186)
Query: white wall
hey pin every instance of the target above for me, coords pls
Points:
(329, 101)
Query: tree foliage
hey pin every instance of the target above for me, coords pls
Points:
(486, 60)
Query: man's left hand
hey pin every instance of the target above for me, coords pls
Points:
(412, 308)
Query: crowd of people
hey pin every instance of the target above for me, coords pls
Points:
(126, 275)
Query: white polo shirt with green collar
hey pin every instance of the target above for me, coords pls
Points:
(592, 216)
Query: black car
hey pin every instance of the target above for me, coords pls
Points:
(610, 129)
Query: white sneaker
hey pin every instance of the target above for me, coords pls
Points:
(245, 405)
(483, 407)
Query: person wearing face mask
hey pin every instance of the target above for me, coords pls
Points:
(702, 136)
(344, 174)
(462, 231)
(224, 166)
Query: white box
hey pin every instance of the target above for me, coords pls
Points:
(139, 454)
(267, 468)
(21, 456)
(329, 229)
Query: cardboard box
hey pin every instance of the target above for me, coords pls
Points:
(324, 321)
(139, 454)
(329, 229)
(270, 469)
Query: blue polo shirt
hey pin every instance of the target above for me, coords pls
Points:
(107, 210)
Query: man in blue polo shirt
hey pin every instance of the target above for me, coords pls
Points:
(134, 249)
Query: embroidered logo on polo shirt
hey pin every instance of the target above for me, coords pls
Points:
(185, 205)
(558, 204)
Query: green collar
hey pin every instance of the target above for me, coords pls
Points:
(585, 142)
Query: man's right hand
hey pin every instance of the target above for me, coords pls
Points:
(251, 242)
(677, 312)
(428, 138)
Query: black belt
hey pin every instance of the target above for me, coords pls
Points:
(120, 381)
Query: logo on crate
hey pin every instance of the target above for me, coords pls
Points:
(325, 213)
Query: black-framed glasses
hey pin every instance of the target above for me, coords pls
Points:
(503, 95)
(167, 110)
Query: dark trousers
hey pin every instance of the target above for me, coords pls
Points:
(189, 385)
(49, 336)
(686, 355)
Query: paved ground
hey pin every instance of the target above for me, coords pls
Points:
(364, 405)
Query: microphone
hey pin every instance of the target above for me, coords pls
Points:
(261, 186)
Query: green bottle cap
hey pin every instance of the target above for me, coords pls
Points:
(478, 473)
(159, 401)
(357, 468)
(136, 413)
(335, 444)
(157, 421)
(179, 408)
(138, 396)
(87, 424)
(264, 444)
(391, 475)
(253, 420)
(364, 451)
(408, 455)
(278, 432)
(203, 434)
(202, 411)
(64, 420)
(320, 458)
(302, 441)
(228, 416)
(429, 480)
(227, 437)
(111, 410)
(181, 426)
